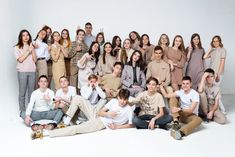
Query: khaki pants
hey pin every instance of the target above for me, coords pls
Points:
(218, 117)
(41, 68)
(173, 102)
(192, 121)
(49, 72)
(93, 124)
(74, 75)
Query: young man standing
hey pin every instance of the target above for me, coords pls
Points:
(151, 103)
(92, 96)
(89, 38)
(210, 98)
(41, 106)
(77, 49)
(187, 112)
(111, 83)
(116, 114)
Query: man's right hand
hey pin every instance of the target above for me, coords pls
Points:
(27, 120)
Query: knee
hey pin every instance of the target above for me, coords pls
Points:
(221, 120)
(103, 101)
(135, 121)
(169, 118)
(198, 120)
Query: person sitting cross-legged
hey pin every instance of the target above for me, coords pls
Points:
(152, 106)
(41, 106)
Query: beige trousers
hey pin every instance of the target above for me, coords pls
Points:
(41, 68)
(219, 117)
(93, 124)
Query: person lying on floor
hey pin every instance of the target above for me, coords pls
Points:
(116, 114)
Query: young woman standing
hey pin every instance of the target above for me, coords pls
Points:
(176, 58)
(196, 65)
(26, 68)
(57, 55)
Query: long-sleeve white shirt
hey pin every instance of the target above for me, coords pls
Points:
(37, 103)
(92, 94)
(42, 50)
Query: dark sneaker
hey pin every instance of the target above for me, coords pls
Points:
(176, 134)
(175, 126)
(37, 134)
(206, 120)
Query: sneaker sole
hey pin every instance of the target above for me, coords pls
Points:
(176, 135)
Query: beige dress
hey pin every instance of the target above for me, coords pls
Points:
(58, 66)
(178, 57)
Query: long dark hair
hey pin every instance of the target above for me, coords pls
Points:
(199, 44)
(104, 54)
(141, 40)
(44, 39)
(114, 53)
(20, 43)
(96, 54)
(45, 28)
(139, 63)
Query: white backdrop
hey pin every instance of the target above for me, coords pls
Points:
(153, 17)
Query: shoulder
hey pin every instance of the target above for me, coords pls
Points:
(50, 91)
(113, 101)
(151, 64)
(71, 88)
(193, 92)
(16, 48)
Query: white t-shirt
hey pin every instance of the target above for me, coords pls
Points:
(68, 96)
(125, 114)
(187, 99)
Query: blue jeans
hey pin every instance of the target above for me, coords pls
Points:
(54, 115)
(142, 122)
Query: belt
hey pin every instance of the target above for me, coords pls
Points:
(41, 58)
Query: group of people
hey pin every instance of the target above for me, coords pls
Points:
(102, 84)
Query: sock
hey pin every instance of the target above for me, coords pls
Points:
(45, 133)
(67, 120)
